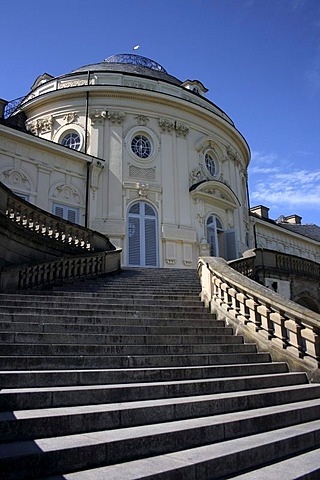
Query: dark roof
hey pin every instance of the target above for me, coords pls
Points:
(132, 64)
(311, 231)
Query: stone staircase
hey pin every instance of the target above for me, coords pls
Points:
(129, 377)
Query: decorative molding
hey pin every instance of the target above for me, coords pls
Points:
(41, 125)
(143, 85)
(15, 178)
(181, 129)
(97, 116)
(71, 117)
(142, 173)
(96, 168)
(73, 83)
(171, 261)
(166, 125)
(142, 120)
(116, 117)
(200, 215)
(197, 175)
(143, 189)
(67, 193)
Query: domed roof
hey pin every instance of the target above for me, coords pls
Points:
(131, 64)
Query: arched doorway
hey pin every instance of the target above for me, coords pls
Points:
(142, 227)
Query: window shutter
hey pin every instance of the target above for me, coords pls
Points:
(231, 245)
(134, 241)
(150, 242)
(72, 215)
(58, 211)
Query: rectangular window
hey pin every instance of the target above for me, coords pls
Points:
(66, 212)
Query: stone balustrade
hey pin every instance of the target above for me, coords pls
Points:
(50, 226)
(80, 252)
(255, 261)
(265, 314)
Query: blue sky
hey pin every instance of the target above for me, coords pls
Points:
(260, 60)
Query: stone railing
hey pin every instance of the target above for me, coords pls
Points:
(50, 226)
(75, 251)
(264, 314)
(257, 261)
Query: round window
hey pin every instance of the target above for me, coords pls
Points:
(141, 146)
(71, 140)
(210, 164)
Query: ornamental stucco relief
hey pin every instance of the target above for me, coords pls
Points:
(116, 117)
(142, 120)
(67, 193)
(16, 178)
(41, 125)
(166, 125)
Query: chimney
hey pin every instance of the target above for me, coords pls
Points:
(260, 210)
(295, 219)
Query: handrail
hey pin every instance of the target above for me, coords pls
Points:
(260, 259)
(50, 226)
(38, 275)
(265, 313)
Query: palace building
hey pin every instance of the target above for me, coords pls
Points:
(127, 149)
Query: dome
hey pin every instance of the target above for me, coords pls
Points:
(131, 64)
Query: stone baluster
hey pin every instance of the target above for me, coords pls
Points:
(267, 329)
(311, 337)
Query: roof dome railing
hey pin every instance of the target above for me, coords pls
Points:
(132, 59)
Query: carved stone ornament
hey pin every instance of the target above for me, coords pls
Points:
(142, 120)
(71, 117)
(41, 125)
(233, 155)
(181, 129)
(73, 83)
(96, 168)
(166, 125)
(97, 116)
(144, 86)
(116, 117)
(16, 178)
(197, 175)
(67, 192)
(200, 210)
(143, 189)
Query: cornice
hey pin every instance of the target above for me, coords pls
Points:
(152, 97)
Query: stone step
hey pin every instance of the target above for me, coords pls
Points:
(85, 302)
(117, 361)
(113, 328)
(225, 336)
(209, 462)
(211, 437)
(187, 312)
(201, 350)
(36, 378)
(48, 422)
(49, 397)
(305, 466)
(144, 318)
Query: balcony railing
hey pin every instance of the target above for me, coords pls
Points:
(265, 314)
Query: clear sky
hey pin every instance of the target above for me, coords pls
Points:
(260, 60)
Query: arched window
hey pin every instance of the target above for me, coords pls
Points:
(142, 235)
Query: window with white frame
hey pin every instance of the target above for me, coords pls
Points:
(71, 140)
(66, 212)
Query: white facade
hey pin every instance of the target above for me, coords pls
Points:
(154, 165)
